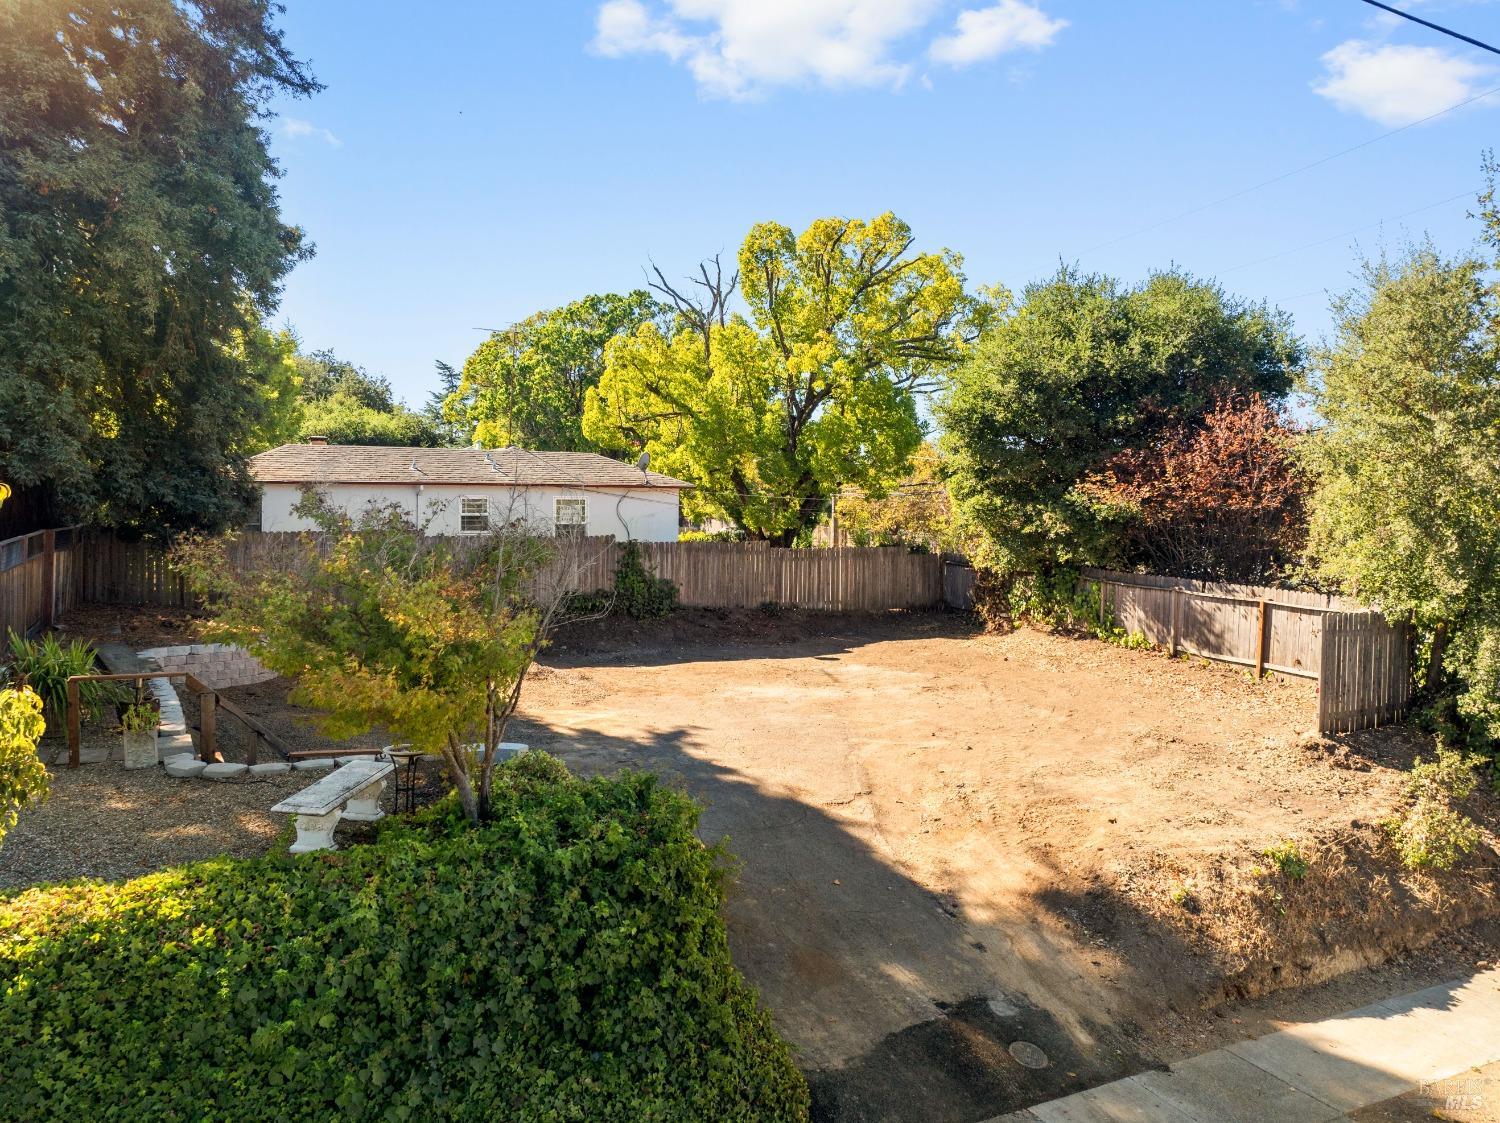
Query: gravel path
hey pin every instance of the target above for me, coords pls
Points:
(102, 821)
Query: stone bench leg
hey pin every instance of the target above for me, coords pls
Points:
(315, 832)
(364, 805)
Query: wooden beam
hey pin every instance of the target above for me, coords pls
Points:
(196, 686)
(208, 728)
(270, 738)
(74, 732)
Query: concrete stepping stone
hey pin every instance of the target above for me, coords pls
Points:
(316, 764)
(224, 771)
(272, 768)
(184, 767)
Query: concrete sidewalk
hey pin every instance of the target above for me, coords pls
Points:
(1319, 1072)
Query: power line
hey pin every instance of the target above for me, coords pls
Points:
(1435, 26)
(1288, 174)
(1348, 233)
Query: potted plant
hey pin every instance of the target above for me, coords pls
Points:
(139, 724)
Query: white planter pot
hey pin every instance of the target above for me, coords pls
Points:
(140, 748)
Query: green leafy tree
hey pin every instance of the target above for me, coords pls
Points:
(139, 235)
(351, 406)
(385, 626)
(450, 430)
(272, 356)
(1406, 507)
(526, 385)
(770, 414)
(916, 511)
(1081, 370)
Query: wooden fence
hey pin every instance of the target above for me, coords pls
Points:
(1361, 661)
(707, 574)
(1366, 672)
(38, 579)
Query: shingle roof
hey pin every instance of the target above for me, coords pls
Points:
(506, 467)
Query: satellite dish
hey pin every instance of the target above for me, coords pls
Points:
(643, 461)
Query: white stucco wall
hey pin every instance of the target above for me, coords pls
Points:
(644, 514)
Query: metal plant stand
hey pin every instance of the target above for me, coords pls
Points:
(404, 787)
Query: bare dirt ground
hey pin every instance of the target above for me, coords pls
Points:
(951, 841)
(947, 841)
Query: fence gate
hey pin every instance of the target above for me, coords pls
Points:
(1365, 678)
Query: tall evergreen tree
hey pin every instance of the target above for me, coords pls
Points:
(140, 241)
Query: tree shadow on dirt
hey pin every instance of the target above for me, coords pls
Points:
(708, 635)
(901, 1005)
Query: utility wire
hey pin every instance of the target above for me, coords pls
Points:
(1435, 26)
(1288, 174)
(1348, 233)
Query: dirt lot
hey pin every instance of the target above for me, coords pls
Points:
(948, 842)
(951, 841)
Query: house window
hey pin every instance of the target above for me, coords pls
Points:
(572, 517)
(474, 516)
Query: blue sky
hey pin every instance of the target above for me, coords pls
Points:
(474, 163)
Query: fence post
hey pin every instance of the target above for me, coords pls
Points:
(1176, 618)
(49, 578)
(1327, 671)
(1260, 640)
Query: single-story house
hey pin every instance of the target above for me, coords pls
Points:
(472, 490)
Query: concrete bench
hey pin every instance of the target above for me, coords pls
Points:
(352, 792)
(505, 750)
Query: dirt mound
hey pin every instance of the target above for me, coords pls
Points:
(1339, 900)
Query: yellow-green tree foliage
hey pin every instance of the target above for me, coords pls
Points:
(769, 413)
(384, 626)
(916, 511)
(22, 775)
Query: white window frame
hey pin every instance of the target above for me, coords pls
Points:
(464, 514)
(570, 528)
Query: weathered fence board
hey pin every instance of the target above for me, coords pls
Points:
(1366, 680)
(1362, 662)
(38, 579)
(958, 584)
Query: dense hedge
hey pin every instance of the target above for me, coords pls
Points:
(565, 962)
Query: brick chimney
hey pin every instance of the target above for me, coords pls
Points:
(317, 440)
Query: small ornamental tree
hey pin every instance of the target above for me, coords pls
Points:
(382, 625)
(1220, 500)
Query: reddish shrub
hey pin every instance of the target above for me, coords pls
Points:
(1221, 499)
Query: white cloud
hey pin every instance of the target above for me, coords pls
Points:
(741, 48)
(294, 128)
(1397, 85)
(985, 33)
